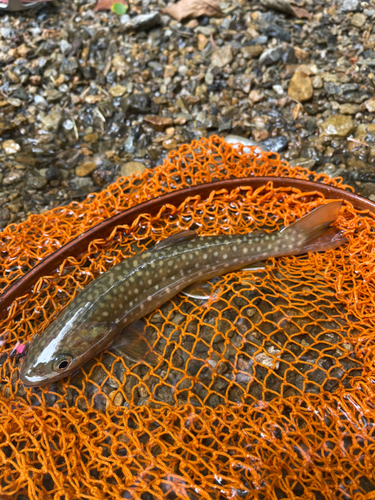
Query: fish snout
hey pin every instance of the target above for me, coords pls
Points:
(31, 376)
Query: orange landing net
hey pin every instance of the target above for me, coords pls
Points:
(265, 391)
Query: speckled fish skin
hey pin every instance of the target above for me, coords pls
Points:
(140, 284)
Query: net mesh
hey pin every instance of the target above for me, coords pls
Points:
(264, 391)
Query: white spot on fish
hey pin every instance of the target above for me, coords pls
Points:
(205, 256)
(225, 256)
(149, 282)
(167, 290)
(216, 254)
(136, 291)
(135, 262)
(141, 306)
(245, 250)
(149, 298)
(234, 248)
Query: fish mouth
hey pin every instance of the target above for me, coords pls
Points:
(32, 379)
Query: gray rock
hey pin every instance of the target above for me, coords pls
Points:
(350, 5)
(271, 56)
(276, 31)
(143, 22)
(69, 66)
(53, 120)
(129, 146)
(82, 182)
(137, 103)
(275, 144)
(13, 177)
(52, 173)
(222, 57)
(65, 46)
(35, 181)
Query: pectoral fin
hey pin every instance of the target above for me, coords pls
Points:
(200, 290)
(132, 342)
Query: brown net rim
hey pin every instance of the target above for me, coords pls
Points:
(103, 229)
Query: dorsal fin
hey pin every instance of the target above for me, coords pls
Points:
(176, 239)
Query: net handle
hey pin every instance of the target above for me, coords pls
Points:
(102, 230)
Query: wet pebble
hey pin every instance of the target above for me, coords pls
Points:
(340, 125)
(11, 147)
(86, 168)
(132, 167)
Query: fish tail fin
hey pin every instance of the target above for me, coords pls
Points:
(312, 232)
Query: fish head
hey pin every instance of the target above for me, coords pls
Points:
(62, 349)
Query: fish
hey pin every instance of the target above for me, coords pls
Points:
(103, 315)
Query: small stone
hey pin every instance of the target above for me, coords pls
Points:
(180, 120)
(301, 54)
(341, 125)
(302, 162)
(358, 20)
(53, 120)
(15, 207)
(11, 147)
(370, 105)
(13, 177)
(350, 5)
(52, 173)
(117, 90)
(116, 397)
(271, 56)
(35, 181)
(267, 361)
(183, 70)
(91, 137)
(82, 182)
(86, 168)
(317, 82)
(13, 101)
(222, 57)
(158, 122)
(169, 71)
(251, 51)
(350, 109)
(202, 41)
(136, 103)
(65, 46)
(12, 76)
(119, 62)
(170, 144)
(69, 66)
(300, 88)
(209, 78)
(206, 30)
(143, 22)
(129, 146)
(259, 135)
(132, 167)
(275, 144)
(276, 31)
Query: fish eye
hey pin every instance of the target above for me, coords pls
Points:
(62, 363)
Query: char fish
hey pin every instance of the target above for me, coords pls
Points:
(100, 317)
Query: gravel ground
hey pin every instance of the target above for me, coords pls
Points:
(86, 97)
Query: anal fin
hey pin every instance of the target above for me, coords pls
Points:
(132, 342)
(199, 290)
